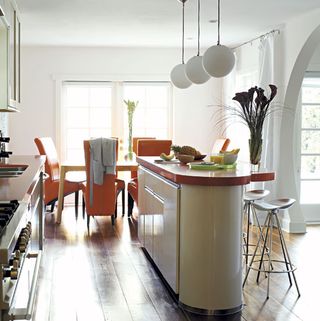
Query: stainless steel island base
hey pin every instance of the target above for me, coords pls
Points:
(210, 271)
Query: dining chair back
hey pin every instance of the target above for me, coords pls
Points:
(135, 143)
(135, 140)
(146, 147)
(153, 147)
(103, 200)
(46, 147)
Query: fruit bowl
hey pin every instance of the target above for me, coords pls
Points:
(199, 157)
(185, 158)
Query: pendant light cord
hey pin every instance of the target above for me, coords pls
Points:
(198, 54)
(182, 33)
(218, 43)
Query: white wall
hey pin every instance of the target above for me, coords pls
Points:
(192, 118)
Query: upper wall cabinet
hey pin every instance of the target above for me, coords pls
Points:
(9, 56)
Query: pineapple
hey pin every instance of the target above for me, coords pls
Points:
(188, 150)
(176, 149)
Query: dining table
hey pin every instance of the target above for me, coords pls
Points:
(121, 166)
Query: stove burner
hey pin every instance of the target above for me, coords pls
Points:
(6, 213)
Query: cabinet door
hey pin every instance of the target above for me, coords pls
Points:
(159, 210)
(4, 42)
(166, 233)
(14, 57)
(17, 34)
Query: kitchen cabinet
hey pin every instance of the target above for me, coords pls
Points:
(159, 223)
(10, 29)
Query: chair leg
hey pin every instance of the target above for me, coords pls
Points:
(88, 221)
(130, 204)
(76, 202)
(52, 206)
(116, 210)
(123, 202)
(112, 219)
(83, 207)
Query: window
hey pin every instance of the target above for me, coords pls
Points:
(310, 141)
(86, 113)
(237, 132)
(151, 118)
(96, 109)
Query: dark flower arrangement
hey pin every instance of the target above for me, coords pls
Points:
(255, 107)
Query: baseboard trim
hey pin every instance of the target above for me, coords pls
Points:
(293, 227)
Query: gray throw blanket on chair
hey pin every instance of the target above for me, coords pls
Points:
(102, 161)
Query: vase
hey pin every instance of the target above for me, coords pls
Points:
(130, 155)
(255, 150)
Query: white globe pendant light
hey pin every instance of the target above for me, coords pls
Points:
(179, 78)
(218, 60)
(178, 74)
(194, 67)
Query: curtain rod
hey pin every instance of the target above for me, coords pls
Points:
(259, 37)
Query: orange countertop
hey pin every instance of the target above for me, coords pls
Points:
(19, 188)
(182, 174)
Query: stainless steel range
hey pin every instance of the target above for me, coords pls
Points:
(21, 244)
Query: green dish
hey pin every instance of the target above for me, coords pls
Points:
(211, 166)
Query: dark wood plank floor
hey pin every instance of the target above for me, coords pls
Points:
(104, 275)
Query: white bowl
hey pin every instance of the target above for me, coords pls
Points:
(229, 159)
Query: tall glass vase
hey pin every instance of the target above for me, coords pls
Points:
(255, 150)
(130, 156)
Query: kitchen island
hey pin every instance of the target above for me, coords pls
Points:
(190, 223)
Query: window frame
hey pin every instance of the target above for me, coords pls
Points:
(116, 110)
(306, 129)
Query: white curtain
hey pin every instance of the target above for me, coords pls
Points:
(271, 133)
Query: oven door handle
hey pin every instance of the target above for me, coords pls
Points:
(26, 313)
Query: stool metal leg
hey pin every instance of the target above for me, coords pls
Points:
(264, 247)
(286, 250)
(282, 247)
(248, 231)
(254, 254)
(270, 250)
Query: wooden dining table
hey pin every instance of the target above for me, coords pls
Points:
(121, 166)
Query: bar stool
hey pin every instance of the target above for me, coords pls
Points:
(272, 220)
(249, 198)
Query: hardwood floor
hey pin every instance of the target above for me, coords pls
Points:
(104, 275)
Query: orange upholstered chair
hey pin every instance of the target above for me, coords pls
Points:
(46, 147)
(135, 140)
(146, 147)
(104, 196)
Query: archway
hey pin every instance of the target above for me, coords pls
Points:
(288, 175)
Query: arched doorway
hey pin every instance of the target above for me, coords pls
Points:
(288, 168)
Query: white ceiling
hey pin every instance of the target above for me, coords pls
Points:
(151, 23)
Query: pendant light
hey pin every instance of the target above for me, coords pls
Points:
(178, 74)
(194, 67)
(218, 60)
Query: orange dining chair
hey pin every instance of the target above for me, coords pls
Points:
(104, 197)
(135, 140)
(46, 147)
(146, 147)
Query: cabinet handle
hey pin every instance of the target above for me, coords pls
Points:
(148, 189)
(154, 194)
(158, 197)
